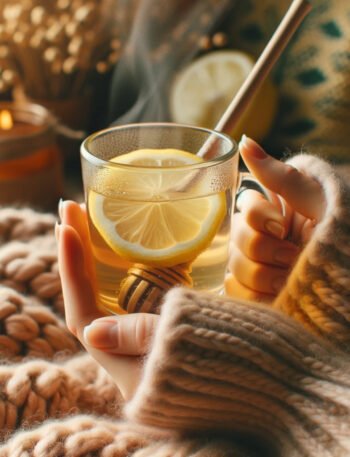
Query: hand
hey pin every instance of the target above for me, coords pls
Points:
(261, 256)
(115, 342)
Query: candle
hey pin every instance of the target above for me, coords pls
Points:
(30, 162)
(9, 128)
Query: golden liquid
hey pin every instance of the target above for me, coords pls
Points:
(208, 269)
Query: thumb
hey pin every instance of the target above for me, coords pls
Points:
(127, 334)
(303, 193)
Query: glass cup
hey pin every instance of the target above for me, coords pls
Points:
(157, 218)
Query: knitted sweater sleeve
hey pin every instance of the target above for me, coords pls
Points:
(222, 365)
(317, 292)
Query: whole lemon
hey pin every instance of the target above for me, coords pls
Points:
(201, 92)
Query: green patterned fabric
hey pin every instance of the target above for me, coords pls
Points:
(312, 75)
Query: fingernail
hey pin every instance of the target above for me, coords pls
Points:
(255, 150)
(275, 228)
(285, 256)
(278, 283)
(57, 230)
(60, 207)
(102, 334)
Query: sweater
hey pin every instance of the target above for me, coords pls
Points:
(223, 377)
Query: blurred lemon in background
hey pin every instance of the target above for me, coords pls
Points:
(201, 92)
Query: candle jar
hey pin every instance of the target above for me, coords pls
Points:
(74, 113)
(30, 160)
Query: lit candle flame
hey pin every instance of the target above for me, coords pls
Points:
(6, 121)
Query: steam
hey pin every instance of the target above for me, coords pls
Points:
(164, 36)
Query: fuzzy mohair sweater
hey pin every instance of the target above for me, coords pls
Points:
(223, 378)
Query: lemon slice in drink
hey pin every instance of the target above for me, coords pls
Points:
(156, 230)
(201, 92)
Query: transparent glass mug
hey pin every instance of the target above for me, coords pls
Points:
(159, 219)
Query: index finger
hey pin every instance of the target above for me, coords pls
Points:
(77, 283)
(74, 215)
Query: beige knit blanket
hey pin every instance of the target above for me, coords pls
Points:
(56, 401)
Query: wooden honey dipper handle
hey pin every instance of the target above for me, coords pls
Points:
(272, 51)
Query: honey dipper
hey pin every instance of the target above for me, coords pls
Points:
(144, 286)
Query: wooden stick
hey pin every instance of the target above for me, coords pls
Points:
(52, 59)
(36, 47)
(284, 32)
(70, 69)
(29, 72)
(289, 24)
(56, 78)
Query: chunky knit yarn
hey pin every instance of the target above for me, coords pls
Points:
(31, 267)
(223, 378)
(24, 224)
(218, 365)
(91, 435)
(318, 288)
(30, 329)
(36, 390)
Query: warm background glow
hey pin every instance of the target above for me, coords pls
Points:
(6, 121)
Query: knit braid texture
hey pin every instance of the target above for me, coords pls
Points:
(36, 390)
(92, 436)
(31, 267)
(31, 329)
(214, 367)
(318, 289)
(24, 224)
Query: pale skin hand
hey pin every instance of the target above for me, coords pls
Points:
(118, 342)
(115, 342)
(260, 254)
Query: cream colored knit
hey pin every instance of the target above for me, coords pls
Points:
(31, 329)
(318, 289)
(223, 378)
(31, 267)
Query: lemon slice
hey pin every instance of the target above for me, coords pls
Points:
(201, 92)
(156, 230)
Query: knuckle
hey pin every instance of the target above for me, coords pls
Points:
(290, 178)
(257, 272)
(229, 284)
(254, 245)
(235, 261)
(142, 331)
(251, 210)
(236, 224)
(256, 213)
(260, 298)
